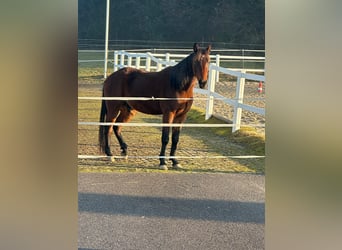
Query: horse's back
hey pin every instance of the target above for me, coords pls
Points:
(131, 82)
(135, 82)
(116, 83)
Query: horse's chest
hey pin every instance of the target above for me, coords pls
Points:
(184, 107)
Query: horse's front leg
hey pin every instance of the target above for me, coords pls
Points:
(165, 141)
(175, 138)
(167, 119)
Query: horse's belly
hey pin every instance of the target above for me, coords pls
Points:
(147, 107)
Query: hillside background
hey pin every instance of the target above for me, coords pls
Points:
(176, 23)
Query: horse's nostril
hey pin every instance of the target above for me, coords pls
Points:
(202, 84)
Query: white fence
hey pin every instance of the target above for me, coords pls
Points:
(150, 61)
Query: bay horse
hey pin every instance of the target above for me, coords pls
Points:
(172, 82)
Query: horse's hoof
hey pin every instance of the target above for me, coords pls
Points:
(163, 167)
(177, 166)
(124, 155)
(111, 158)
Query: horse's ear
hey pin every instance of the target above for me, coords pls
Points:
(196, 47)
(209, 48)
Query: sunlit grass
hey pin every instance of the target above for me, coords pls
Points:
(248, 137)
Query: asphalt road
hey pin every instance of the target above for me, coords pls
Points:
(171, 211)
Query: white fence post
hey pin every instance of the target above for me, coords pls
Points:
(218, 65)
(137, 62)
(167, 57)
(129, 62)
(148, 61)
(240, 87)
(159, 66)
(115, 61)
(211, 88)
(122, 59)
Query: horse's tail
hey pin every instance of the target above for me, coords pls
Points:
(102, 134)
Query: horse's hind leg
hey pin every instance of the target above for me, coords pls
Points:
(106, 139)
(125, 115)
(112, 115)
(123, 145)
(107, 130)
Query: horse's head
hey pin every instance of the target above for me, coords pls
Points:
(200, 64)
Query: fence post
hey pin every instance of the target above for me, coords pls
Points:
(159, 65)
(167, 57)
(211, 88)
(129, 62)
(240, 87)
(115, 61)
(148, 61)
(122, 59)
(137, 62)
(217, 64)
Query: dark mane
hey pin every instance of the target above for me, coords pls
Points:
(182, 73)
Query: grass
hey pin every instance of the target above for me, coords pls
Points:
(248, 137)
(88, 75)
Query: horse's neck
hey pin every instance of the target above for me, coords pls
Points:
(182, 76)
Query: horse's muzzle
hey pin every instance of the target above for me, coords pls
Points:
(202, 84)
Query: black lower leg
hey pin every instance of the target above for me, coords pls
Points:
(165, 140)
(121, 141)
(107, 135)
(175, 139)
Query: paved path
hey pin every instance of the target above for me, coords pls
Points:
(171, 211)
